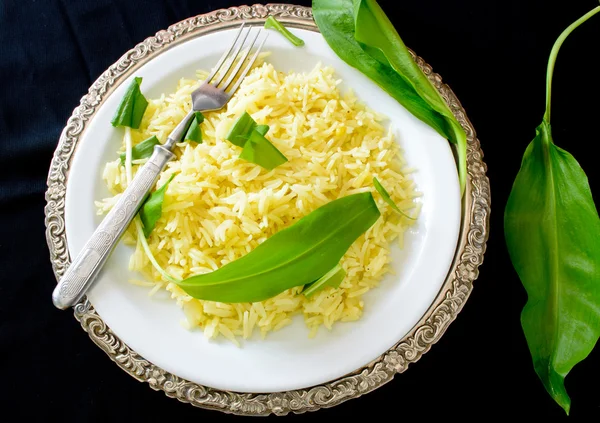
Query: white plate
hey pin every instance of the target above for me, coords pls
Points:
(286, 359)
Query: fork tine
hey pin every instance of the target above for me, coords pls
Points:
(233, 57)
(249, 66)
(224, 56)
(241, 62)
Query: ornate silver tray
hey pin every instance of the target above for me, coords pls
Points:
(445, 308)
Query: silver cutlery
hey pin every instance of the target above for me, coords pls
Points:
(213, 94)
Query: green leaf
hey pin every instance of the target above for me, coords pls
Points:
(297, 255)
(360, 34)
(552, 232)
(257, 149)
(262, 129)
(132, 107)
(152, 208)
(333, 278)
(194, 133)
(386, 197)
(260, 151)
(272, 23)
(143, 149)
(241, 130)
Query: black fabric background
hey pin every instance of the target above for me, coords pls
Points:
(493, 54)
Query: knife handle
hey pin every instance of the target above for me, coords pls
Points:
(83, 271)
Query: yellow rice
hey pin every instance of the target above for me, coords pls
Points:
(219, 207)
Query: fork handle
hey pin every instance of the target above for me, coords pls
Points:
(82, 272)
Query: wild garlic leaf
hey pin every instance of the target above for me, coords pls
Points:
(142, 150)
(260, 151)
(333, 279)
(273, 23)
(295, 256)
(553, 236)
(386, 197)
(262, 129)
(241, 130)
(132, 107)
(552, 232)
(137, 221)
(257, 149)
(194, 132)
(360, 33)
(151, 211)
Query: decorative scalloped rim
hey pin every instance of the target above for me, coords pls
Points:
(445, 308)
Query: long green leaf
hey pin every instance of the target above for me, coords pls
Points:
(553, 236)
(297, 255)
(130, 110)
(552, 231)
(152, 208)
(377, 34)
(360, 34)
(336, 23)
(142, 150)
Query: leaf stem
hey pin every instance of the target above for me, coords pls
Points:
(271, 22)
(128, 155)
(138, 224)
(554, 53)
(146, 247)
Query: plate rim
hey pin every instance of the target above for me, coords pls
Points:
(452, 296)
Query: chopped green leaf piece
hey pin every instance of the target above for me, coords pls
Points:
(152, 208)
(386, 197)
(132, 107)
(333, 278)
(241, 130)
(295, 256)
(260, 151)
(262, 129)
(143, 149)
(272, 23)
(256, 148)
(194, 133)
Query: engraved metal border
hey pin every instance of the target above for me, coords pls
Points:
(445, 308)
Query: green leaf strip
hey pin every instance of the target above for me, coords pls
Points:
(386, 197)
(241, 130)
(143, 150)
(131, 109)
(272, 23)
(260, 151)
(151, 210)
(262, 129)
(194, 132)
(333, 279)
(137, 221)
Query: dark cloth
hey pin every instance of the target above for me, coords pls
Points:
(493, 53)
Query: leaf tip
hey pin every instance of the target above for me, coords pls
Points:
(563, 401)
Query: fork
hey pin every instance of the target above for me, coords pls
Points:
(211, 95)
